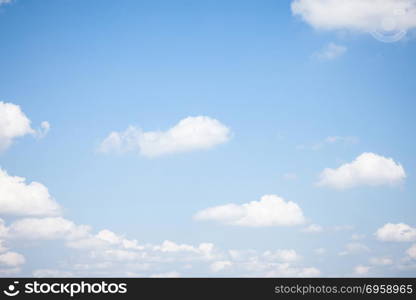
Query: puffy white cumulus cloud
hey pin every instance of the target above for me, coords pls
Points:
(396, 233)
(13, 124)
(192, 133)
(367, 169)
(270, 210)
(412, 252)
(47, 229)
(357, 15)
(12, 259)
(25, 199)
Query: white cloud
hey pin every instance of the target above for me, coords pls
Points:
(357, 15)
(47, 229)
(367, 169)
(381, 261)
(396, 233)
(218, 266)
(361, 270)
(13, 124)
(412, 252)
(331, 52)
(313, 228)
(43, 130)
(12, 259)
(192, 133)
(271, 210)
(5, 1)
(19, 198)
(354, 248)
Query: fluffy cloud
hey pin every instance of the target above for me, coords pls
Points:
(271, 210)
(358, 15)
(13, 124)
(25, 199)
(47, 229)
(192, 133)
(412, 252)
(12, 259)
(367, 169)
(396, 233)
(331, 52)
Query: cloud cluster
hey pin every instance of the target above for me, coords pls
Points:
(367, 169)
(270, 210)
(357, 15)
(192, 133)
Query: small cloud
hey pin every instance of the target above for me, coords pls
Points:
(354, 248)
(43, 130)
(381, 261)
(396, 233)
(361, 270)
(412, 252)
(330, 52)
(270, 210)
(192, 133)
(367, 169)
(220, 265)
(313, 228)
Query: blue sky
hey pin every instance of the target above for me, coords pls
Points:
(293, 93)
